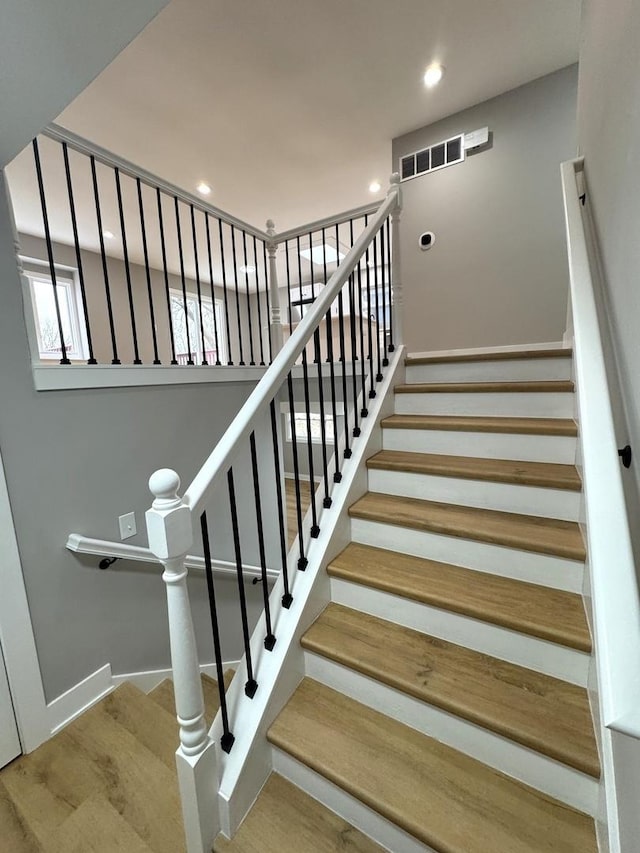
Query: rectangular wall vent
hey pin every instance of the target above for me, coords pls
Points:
(438, 156)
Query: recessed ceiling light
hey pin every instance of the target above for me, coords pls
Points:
(247, 269)
(375, 187)
(203, 189)
(322, 254)
(108, 235)
(433, 75)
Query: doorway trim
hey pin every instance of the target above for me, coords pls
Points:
(16, 635)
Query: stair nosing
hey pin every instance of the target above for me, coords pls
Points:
(564, 427)
(478, 533)
(578, 641)
(516, 355)
(474, 471)
(589, 765)
(551, 386)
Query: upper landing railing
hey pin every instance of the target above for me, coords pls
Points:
(133, 270)
(237, 496)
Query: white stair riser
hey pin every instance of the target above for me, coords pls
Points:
(369, 822)
(518, 370)
(506, 497)
(489, 403)
(511, 646)
(519, 762)
(543, 569)
(484, 445)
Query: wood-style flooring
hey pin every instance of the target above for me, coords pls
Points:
(104, 784)
(292, 516)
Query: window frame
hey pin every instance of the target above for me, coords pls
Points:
(66, 279)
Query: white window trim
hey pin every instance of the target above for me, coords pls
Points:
(65, 278)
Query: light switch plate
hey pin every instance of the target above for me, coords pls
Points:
(127, 525)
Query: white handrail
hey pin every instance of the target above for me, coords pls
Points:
(80, 544)
(616, 601)
(327, 222)
(90, 149)
(216, 465)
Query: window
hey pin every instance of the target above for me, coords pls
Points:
(200, 350)
(300, 420)
(46, 319)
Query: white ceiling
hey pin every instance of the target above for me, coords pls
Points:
(288, 107)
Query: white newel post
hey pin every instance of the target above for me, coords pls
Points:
(396, 277)
(275, 320)
(170, 538)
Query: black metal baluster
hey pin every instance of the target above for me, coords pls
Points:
(354, 346)
(152, 315)
(213, 293)
(235, 279)
(184, 283)
(287, 598)
(255, 265)
(194, 237)
(337, 475)
(326, 503)
(269, 640)
(227, 739)
(383, 257)
(105, 272)
(52, 268)
(302, 561)
(364, 411)
(127, 270)
(315, 530)
(343, 361)
(224, 290)
(286, 255)
(268, 300)
(252, 685)
(372, 390)
(252, 360)
(390, 283)
(76, 242)
(377, 287)
(163, 246)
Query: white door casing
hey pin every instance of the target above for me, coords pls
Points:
(9, 741)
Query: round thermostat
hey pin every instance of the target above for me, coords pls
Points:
(426, 240)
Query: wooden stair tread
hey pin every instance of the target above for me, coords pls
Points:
(488, 356)
(440, 796)
(163, 695)
(524, 387)
(550, 475)
(469, 423)
(538, 611)
(540, 712)
(526, 532)
(286, 820)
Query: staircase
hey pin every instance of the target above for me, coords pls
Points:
(444, 704)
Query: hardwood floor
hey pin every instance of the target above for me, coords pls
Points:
(104, 784)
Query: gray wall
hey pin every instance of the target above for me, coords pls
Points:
(609, 139)
(74, 461)
(497, 274)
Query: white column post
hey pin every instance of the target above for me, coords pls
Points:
(396, 277)
(275, 321)
(170, 534)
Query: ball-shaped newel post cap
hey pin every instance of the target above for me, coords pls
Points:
(164, 485)
(271, 228)
(394, 180)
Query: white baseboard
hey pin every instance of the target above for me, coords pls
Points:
(484, 350)
(79, 698)
(99, 684)
(148, 680)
